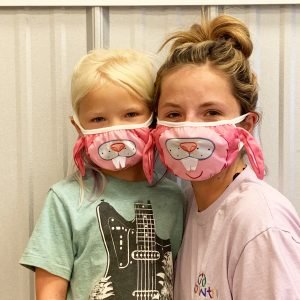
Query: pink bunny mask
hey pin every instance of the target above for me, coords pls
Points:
(112, 148)
(199, 150)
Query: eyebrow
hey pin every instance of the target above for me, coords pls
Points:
(94, 114)
(170, 104)
(204, 105)
(134, 107)
(210, 103)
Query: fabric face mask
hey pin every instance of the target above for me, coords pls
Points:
(112, 148)
(197, 151)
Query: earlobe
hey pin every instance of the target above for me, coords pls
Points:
(250, 121)
(75, 125)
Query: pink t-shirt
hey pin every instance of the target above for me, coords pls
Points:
(245, 246)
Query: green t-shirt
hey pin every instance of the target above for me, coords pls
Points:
(118, 246)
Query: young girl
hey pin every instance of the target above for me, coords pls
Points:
(105, 233)
(242, 239)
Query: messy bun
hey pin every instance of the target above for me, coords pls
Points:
(222, 28)
(234, 32)
(225, 43)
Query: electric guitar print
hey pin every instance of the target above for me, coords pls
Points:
(139, 262)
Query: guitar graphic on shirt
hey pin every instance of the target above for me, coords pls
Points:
(139, 262)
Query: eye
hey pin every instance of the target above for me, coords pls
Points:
(212, 113)
(172, 115)
(131, 114)
(98, 120)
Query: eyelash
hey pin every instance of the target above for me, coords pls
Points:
(172, 115)
(98, 119)
(209, 115)
(213, 113)
(127, 115)
(131, 115)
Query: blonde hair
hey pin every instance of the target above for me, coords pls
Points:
(127, 68)
(223, 42)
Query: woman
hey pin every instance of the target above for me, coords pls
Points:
(242, 236)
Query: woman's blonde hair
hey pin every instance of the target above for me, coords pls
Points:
(128, 68)
(223, 42)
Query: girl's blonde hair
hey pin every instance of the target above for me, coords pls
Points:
(223, 42)
(127, 68)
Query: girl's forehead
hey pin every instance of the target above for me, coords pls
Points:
(109, 96)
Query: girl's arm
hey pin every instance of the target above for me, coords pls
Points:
(49, 286)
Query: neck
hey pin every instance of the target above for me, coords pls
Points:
(134, 173)
(208, 191)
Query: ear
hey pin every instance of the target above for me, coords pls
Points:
(75, 125)
(250, 121)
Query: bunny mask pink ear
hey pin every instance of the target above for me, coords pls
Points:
(254, 152)
(148, 158)
(77, 154)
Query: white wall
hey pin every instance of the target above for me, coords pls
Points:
(39, 47)
(38, 50)
(276, 60)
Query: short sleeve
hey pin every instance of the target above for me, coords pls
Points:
(50, 246)
(269, 268)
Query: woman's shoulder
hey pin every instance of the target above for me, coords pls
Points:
(256, 206)
(258, 195)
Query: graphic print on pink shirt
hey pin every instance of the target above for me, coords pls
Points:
(202, 288)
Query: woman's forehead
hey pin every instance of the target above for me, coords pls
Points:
(190, 83)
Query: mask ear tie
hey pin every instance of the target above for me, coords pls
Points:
(77, 154)
(148, 158)
(254, 152)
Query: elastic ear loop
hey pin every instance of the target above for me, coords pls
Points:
(77, 155)
(254, 152)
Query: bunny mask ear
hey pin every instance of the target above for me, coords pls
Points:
(254, 152)
(77, 154)
(148, 158)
